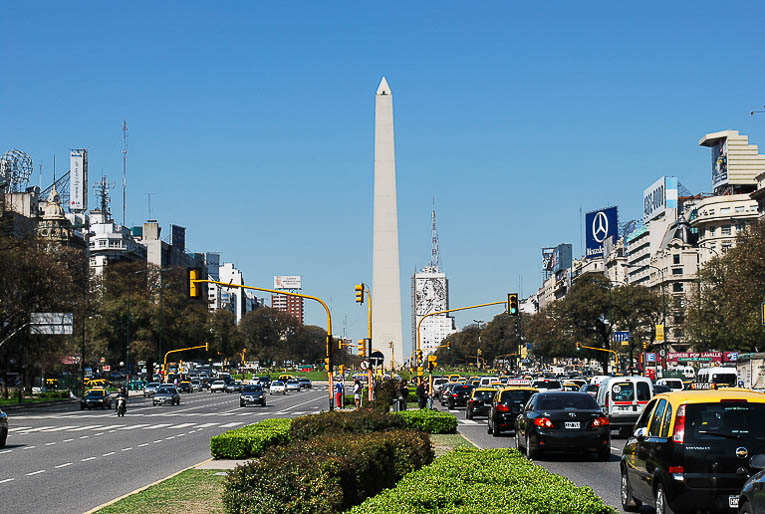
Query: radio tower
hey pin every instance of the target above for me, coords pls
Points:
(102, 188)
(124, 168)
(434, 261)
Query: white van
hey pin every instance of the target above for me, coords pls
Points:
(726, 377)
(487, 381)
(623, 399)
(675, 384)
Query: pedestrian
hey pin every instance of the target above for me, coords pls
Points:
(421, 394)
(403, 395)
(357, 393)
(339, 393)
(431, 394)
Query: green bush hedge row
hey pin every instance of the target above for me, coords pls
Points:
(431, 421)
(326, 474)
(470, 480)
(343, 422)
(251, 440)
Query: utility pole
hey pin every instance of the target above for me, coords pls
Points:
(124, 168)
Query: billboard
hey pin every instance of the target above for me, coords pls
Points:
(599, 225)
(659, 197)
(78, 180)
(720, 163)
(288, 282)
(547, 256)
(178, 237)
(561, 257)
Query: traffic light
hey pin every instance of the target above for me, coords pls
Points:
(578, 347)
(362, 344)
(326, 364)
(512, 304)
(195, 291)
(339, 343)
(342, 369)
(359, 293)
(419, 357)
(432, 362)
(645, 345)
(449, 345)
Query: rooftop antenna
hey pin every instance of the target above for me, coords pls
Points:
(148, 196)
(124, 169)
(102, 188)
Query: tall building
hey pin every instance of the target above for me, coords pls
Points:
(386, 276)
(290, 304)
(430, 293)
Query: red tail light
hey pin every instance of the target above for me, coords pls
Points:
(678, 434)
(607, 398)
(455, 395)
(543, 422)
(676, 469)
(502, 408)
(600, 421)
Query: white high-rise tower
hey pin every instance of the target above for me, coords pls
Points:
(386, 278)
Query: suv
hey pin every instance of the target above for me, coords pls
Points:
(692, 450)
(623, 399)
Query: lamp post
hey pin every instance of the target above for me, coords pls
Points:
(478, 322)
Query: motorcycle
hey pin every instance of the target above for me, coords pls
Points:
(121, 406)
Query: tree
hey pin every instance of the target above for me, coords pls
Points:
(267, 332)
(636, 309)
(548, 333)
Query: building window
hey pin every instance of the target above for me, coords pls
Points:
(725, 210)
(677, 287)
(711, 231)
(114, 243)
(679, 333)
(741, 209)
(726, 230)
(726, 245)
(102, 243)
(676, 259)
(677, 271)
(711, 212)
(740, 227)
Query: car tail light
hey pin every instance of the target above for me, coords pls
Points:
(607, 400)
(455, 395)
(600, 421)
(676, 469)
(502, 408)
(678, 434)
(543, 422)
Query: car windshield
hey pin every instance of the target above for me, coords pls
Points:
(292, 381)
(724, 378)
(623, 392)
(277, 383)
(153, 384)
(483, 395)
(95, 394)
(571, 401)
(517, 397)
(252, 389)
(547, 384)
(704, 421)
(219, 382)
(166, 390)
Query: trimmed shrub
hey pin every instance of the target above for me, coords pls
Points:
(343, 422)
(327, 474)
(431, 421)
(470, 480)
(250, 441)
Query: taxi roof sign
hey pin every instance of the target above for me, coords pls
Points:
(518, 382)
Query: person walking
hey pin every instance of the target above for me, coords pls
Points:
(357, 393)
(403, 395)
(339, 393)
(421, 394)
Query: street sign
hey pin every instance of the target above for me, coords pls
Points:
(650, 357)
(659, 332)
(376, 358)
(365, 364)
(622, 337)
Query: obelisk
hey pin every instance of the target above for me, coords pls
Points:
(386, 279)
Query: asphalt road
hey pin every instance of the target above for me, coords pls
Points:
(582, 469)
(61, 459)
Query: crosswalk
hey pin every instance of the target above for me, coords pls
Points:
(241, 412)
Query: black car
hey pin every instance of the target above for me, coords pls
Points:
(752, 497)
(166, 394)
(96, 398)
(304, 383)
(562, 421)
(445, 392)
(479, 402)
(505, 407)
(252, 394)
(3, 428)
(458, 395)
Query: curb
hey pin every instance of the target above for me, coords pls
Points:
(111, 502)
(38, 405)
(469, 440)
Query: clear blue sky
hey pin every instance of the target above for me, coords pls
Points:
(252, 122)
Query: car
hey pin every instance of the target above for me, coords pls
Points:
(623, 400)
(675, 384)
(185, 386)
(196, 384)
(277, 386)
(218, 386)
(505, 407)
(487, 381)
(690, 450)
(284, 377)
(579, 381)
(265, 382)
(752, 497)
(166, 394)
(150, 389)
(458, 396)
(233, 386)
(658, 389)
(591, 389)
(438, 383)
(453, 378)
(570, 386)
(721, 376)
(305, 383)
(3, 428)
(479, 402)
(293, 384)
(252, 393)
(445, 392)
(562, 421)
(547, 384)
(96, 398)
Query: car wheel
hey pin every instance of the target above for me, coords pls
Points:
(518, 445)
(241, 404)
(629, 503)
(496, 432)
(451, 405)
(468, 414)
(264, 403)
(489, 428)
(3, 438)
(531, 453)
(662, 504)
(745, 508)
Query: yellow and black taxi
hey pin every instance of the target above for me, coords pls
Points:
(479, 403)
(3, 428)
(96, 397)
(692, 450)
(507, 403)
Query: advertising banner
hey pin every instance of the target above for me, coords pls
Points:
(659, 197)
(78, 180)
(695, 356)
(720, 163)
(561, 257)
(599, 225)
(178, 237)
(659, 333)
(288, 282)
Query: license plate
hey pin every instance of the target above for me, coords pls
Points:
(572, 424)
(733, 502)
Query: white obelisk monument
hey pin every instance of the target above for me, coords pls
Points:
(386, 279)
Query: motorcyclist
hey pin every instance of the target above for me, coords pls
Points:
(122, 401)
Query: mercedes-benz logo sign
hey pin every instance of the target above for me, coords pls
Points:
(742, 452)
(600, 227)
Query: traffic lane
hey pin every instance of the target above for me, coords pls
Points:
(101, 474)
(582, 469)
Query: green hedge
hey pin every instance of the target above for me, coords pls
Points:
(251, 440)
(326, 474)
(469, 480)
(431, 421)
(359, 421)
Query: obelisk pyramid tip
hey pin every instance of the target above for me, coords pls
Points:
(383, 88)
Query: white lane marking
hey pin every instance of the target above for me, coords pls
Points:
(100, 433)
(157, 441)
(206, 425)
(86, 427)
(36, 472)
(182, 425)
(6, 480)
(467, 422)
(6, 451)
(37, 429)
(87, 459)
(84, 436)
(29, 447)
(50, 444)
(142, 445)
(171, 437)
(131, 427)
(233, 424)
(17, 428)
(63, 465)
(67, 440)
(159, 425)
(107, 454)
(57, 429)
(126, 449)
(304, 403)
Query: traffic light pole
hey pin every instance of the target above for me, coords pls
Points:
(370, 391)
(616, 355)
(419, 323)
(206, 346)
(193, 281)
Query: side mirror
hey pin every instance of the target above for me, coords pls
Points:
(640, 433)
(757, 461)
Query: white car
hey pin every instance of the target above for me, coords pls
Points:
(293, 384)
(277, 386)
(219, 386)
